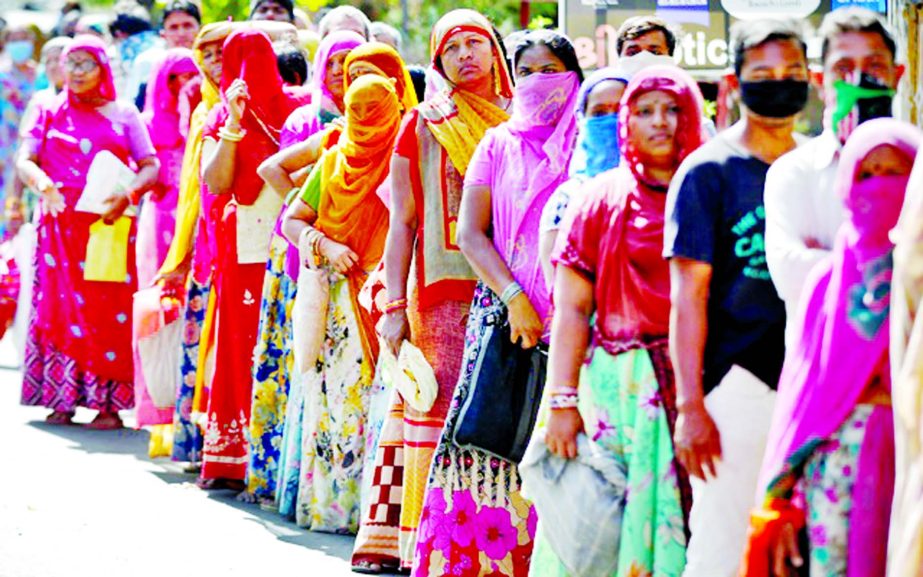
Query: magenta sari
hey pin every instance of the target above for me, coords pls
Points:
(157, 217)
(78, 350)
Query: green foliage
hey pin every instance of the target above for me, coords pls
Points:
(216, 10)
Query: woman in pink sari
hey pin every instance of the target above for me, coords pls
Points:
(157, 217)
(475, 520)
(829, 467)
(78, 351)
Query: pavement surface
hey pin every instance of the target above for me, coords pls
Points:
(76, 502)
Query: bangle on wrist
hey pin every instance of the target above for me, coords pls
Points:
(563, 401)
(231, 135)
(511, 291)
(395, 305)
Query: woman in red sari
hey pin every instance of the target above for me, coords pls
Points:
(240, 134)
(78, 351)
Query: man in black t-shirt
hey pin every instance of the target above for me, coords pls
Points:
(727, 322)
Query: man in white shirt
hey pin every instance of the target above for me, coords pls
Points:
(803, 214)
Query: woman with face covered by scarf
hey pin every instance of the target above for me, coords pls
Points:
(157, 216)
(274, 368)
(191, 249)
(78, 351)
(240, 134)
(829, 464)
(608, 262)
(597, 151)
(508, 180)
(426, 183)
(340, 224)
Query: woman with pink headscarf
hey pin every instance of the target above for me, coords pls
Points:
(157, 217)
(828, 473)
(78, 351)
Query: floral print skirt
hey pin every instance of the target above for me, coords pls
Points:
(274, 363)
(627, 402)
(187, 435)
(335, 403)
(848, 485)
(475, 521)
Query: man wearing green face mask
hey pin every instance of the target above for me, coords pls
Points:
(802, 211)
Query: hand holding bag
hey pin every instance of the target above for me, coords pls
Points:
(581, 503)
(506, 390)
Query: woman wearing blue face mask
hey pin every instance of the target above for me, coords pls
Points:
(17, 83)
(597, 150)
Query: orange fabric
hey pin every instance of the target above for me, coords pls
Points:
(349, 211)
(389, 64)
(765, 527)
(464, 20)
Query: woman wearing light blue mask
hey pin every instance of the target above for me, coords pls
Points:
(17, 83)
(597, 150)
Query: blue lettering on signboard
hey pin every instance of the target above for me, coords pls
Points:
(880, 6)
(682, 5)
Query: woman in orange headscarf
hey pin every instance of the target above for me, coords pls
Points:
(275, 434)
(340, 221)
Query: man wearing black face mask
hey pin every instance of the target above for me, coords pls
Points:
(803, 213)
(727, 322)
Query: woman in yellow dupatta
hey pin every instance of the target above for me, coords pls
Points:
(340, 220)
(191, 251)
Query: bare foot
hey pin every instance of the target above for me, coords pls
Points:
(246, 497)
(60, 418)
(219, 484)
(106, 421)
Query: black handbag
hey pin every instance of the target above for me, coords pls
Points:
(505, 394)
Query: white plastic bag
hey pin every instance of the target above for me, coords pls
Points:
(309, 317)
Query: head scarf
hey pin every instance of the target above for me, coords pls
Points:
(332, 44)
(161, 106)
(457, 118)
(248, 55)
(677, 82)
(632, 295)
(598, 138)
(349, 211)
(464, 20)
(97, 49)
(190, 199)
(389, 64)
(843, 318)
(544, 112)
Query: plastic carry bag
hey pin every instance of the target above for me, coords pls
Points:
(158, 333)
(107, 251)
(309, 317)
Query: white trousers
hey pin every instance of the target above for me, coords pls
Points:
(741, 407)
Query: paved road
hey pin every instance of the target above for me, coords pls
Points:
(76, 502)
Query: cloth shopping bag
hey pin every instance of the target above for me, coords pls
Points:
(107, 251)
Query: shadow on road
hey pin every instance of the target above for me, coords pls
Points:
(134, 443)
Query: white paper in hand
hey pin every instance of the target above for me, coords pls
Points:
(107, 176)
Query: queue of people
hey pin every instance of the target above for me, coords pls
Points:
(433, 314)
